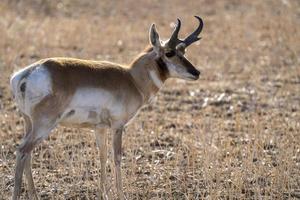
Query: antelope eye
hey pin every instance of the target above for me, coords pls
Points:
(170, 53)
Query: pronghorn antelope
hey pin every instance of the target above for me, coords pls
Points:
(94, 94)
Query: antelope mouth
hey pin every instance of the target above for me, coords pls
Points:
(194, 75)
(193, 78)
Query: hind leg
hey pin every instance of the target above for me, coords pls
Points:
(18, 174)
(28, 173)
(39, 130)
(23, 156)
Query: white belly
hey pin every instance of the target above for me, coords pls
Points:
(92, 106)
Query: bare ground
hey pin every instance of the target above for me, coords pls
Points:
(234, 134)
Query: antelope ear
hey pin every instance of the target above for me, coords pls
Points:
(154, 37)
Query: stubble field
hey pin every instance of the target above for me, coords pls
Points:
(233, 134)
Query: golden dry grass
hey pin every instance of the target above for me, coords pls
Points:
(234, 134)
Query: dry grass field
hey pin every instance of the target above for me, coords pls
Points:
(233, 134)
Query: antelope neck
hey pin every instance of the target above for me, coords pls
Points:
(149, 73)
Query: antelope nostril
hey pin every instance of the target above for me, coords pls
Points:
(194, 72)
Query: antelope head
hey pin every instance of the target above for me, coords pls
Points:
(171, 52)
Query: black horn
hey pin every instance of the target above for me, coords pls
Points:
(173, 41)
(194, 36)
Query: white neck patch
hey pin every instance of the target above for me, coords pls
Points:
(156, 80)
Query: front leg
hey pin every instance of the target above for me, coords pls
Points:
(101, 140)
(117, 149)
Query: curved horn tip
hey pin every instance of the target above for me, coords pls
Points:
(199, 18)
(178, 22)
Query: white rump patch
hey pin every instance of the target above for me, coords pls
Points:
(38, 86)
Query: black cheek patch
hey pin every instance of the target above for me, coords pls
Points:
(23, 87)
(162, 68)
